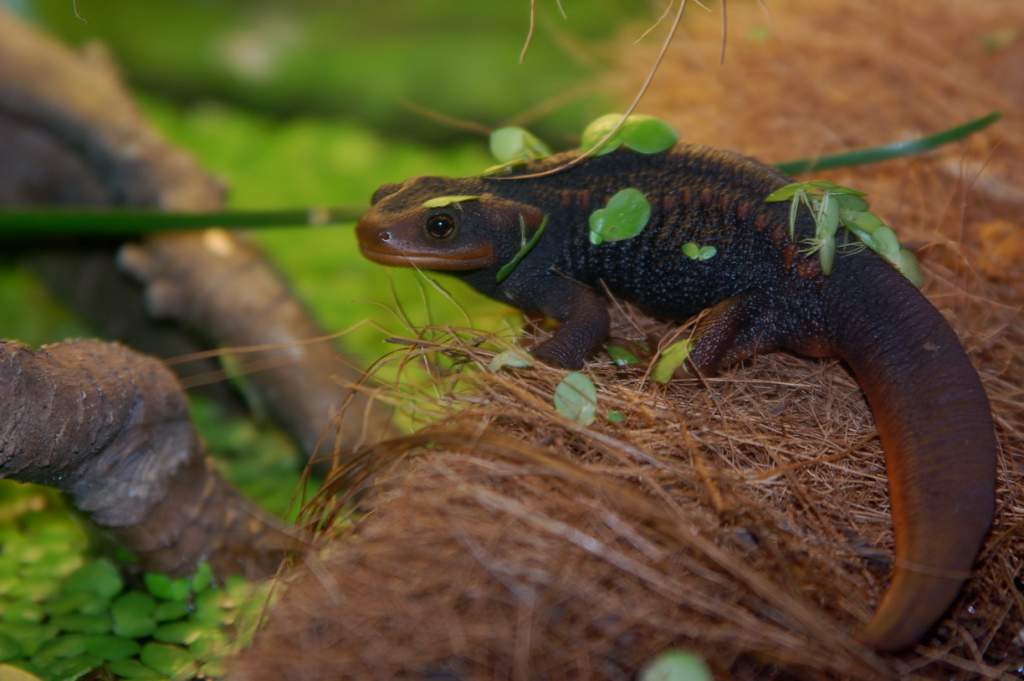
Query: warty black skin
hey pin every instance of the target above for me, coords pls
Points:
(763, 293)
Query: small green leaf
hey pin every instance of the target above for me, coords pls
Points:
(621, 356)
(784, 193)
(111, 648)
(888, 245)
(597, 129)
(623, 217)
(202, 578)
(133, 615)
(179, 632)
(99, 577)
(31, 637)
(695, 251)
(170, 660)
(23, 612)
(135, 671)
(909, 267)
(862, 220)
(648, 135)
(827, 220)
(72, 668)
(69, 645)
(170, 610)
(671, 359)
(851, 202)
(510, 358)
(826, 253)
(166, 588)
(510, 266)
(576, 398)
(512, 144)
(676, 665)
(444, 201)
(85, 624)
(615, 416)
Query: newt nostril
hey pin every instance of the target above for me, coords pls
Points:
(384, 235)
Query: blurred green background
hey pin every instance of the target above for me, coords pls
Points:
(290, 103)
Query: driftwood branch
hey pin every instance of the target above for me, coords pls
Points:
(111, 428)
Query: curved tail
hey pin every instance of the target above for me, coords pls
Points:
(936, 429)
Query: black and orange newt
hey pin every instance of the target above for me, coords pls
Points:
(764, 294)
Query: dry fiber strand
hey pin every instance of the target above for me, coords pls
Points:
(745, 517)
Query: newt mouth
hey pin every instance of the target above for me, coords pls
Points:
(463, 259)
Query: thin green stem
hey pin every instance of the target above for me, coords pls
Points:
(888, 151)
(79, 222)
(115, 223)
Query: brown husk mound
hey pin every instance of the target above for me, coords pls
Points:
(745, 518)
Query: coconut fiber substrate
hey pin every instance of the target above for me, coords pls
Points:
(746, 517)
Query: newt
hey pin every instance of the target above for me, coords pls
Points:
(765, 293)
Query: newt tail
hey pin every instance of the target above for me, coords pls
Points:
(936, 429)
(765, 293)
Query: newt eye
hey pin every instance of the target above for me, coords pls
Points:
(440, 226)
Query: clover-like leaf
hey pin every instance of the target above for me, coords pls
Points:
(695, 251)
(514, 358)
(445, 201)
(172, 661)
(623, 217)
(671, 359)
(615, 416)
(516, 144)
(576, 398)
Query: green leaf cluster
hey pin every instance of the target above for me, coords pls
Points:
(64, 613)
(833, 206)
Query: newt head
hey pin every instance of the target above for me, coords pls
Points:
(443, 224)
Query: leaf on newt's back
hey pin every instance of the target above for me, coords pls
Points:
(623, 217)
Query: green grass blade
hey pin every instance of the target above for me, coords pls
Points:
(88, 223)
(889, 151)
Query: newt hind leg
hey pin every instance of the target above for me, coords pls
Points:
(734, 330)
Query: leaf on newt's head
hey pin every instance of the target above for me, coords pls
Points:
(623, 217)
(443, 201)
